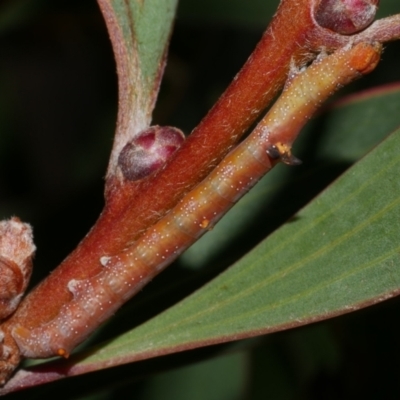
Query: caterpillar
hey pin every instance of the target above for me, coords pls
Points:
(96, 299)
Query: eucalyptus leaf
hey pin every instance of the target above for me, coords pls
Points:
(146, 27)
(341, 253)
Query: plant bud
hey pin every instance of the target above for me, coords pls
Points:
(16, 252)
(346, 16)
(148, 151)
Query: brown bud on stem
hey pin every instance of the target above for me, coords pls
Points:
(148, 151)
(346, 16)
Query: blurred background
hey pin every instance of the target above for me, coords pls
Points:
(58, 105)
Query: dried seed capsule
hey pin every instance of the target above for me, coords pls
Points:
(346, 16)
(148, 151)
(16, 252)
(11, 281)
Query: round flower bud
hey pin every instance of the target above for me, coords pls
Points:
(346, 16)
(148, 151)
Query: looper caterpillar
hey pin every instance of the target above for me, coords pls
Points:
(97, 298)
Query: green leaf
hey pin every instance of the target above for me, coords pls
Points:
(146, 26)
(339, 254)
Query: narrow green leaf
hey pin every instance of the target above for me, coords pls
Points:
(146, 26)
(340, 253)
